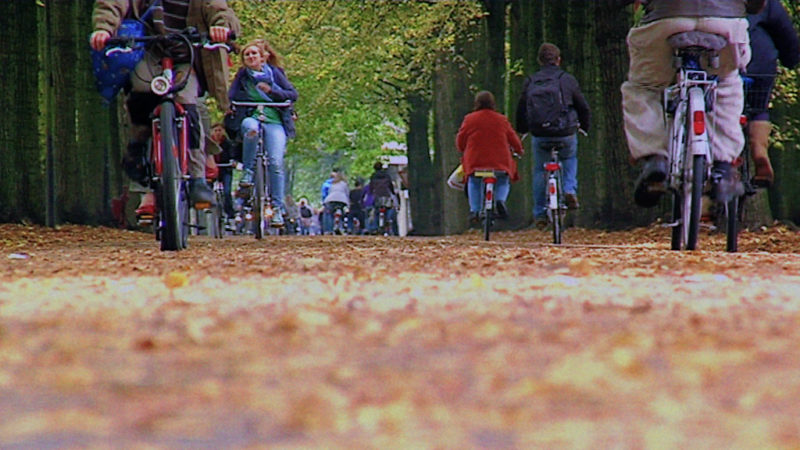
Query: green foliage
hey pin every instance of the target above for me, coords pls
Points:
(353, 64)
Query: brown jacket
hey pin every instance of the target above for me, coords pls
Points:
(203, 14)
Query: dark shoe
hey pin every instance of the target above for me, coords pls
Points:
(502, 212)
(726, 183)
(474, 218)
(650, 184)
(572, 201)
(201, 196)
(134, 164)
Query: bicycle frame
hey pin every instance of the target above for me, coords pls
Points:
(555, 192)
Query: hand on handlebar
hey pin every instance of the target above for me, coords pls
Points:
(98, 39)
(219, 34)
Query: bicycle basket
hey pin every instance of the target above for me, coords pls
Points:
(111, 73)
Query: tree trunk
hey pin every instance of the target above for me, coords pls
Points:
(618, 209)
(21, 176)
(495, 47)
(425, 203)
(61, 59)
(451, 102)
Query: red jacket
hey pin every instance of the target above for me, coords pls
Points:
(486, 140)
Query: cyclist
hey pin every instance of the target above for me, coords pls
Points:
(226, 156)
(550, 94)
(169, 16)
(651, 71)
(486, 140)
(356, 211)
(380, 192)
(262, 79)
(772, 37)
(338, 197)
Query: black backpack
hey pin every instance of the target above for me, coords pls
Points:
(546, 110)
(305, 212)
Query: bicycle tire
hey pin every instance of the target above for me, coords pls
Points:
(487, 224)
(260, 199)
(732, 225)
(698, 181)
(557, 222)
(170, 183)
(677, 228)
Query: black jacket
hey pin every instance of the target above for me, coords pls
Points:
(772, 37)
(572, 96)
(380, 184)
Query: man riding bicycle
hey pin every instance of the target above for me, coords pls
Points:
(213, 17)
(651, 71)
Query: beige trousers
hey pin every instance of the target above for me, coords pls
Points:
(143, 73)
(651, 71)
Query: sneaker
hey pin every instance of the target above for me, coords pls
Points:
(277, 219)
(247, 178)
(650, 185)
(148, 205)
(200, 194)
(726, 183)
(502, 212)
(572, 201)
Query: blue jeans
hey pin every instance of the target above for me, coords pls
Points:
(569, 170)
(475, 191)
(226, 177)
(275, 143)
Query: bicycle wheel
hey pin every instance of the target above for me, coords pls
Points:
(172, 219)
(698, 181)
(260, 200)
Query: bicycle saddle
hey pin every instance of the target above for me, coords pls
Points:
(701, 39)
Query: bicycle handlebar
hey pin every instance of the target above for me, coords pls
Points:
(257, 104)
(190, 36)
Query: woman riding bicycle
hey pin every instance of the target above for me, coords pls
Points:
(486, 140)
(262, 79)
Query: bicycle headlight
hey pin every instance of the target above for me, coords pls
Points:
(160, 85)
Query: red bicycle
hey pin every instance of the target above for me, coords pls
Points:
(168, 149)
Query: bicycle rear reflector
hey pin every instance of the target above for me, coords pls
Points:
(699, 122)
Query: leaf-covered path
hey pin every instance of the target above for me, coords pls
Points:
(610, 341)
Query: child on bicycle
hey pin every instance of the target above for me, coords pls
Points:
(487, 140)
(262, 79)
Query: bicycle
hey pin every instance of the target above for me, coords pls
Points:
(217, 220)
(488, 206)
(732, 222)
(260, 198)
(556, 208)
(168, 152)
(384, 207)
(687, 104)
